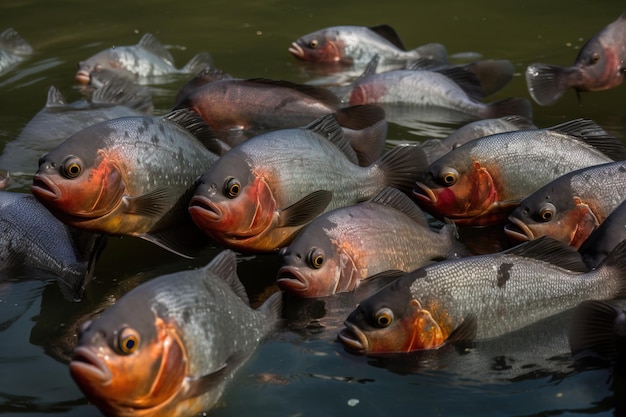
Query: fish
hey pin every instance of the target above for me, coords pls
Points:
(206, 75)
(570, 207)
(599, 66)
(481, 182)
(146, 62)
(451, 92)
(604, 239)
(479, 297)
(130, 176)
(357, 45)
(58, 120)
(342, 248)
(171, 345)
(13, 50)
(32, 237)
(260, 193)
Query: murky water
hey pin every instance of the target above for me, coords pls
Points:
(302, 370)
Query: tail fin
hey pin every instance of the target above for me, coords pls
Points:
(198, 63)
(594, 331)
(366, 128)
(545, 83)
(434, 51)
(272, 308)
(509, 106)
(402, 166)
(493, 74)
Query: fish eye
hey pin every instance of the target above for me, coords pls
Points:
(128, 341)
(232, 187)
(313, 43)
(594, 58)
(449, 177)
(546, 213)
(316, 258)
(384, 317)
(72, 167)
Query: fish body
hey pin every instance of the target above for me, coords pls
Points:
(144, 62)
(13, 50)
(605, 238)
(264, 190)
(481, 182)
(340, 249)
(357, 45)
(128, 176)
(170, 345)
(572, 206)
(598, 66)
(479, 297)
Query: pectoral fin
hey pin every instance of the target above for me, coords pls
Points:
(154, 204)
(209, 382)
(305, 210)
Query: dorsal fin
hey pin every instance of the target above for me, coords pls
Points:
(328, 127)
(388, 33)
(151, 43)
(396, 199)
(370, 68)
(553, 251)
(122, 91)
(55, 98)
(192, 122)
(593, 134)
(465, 79)
(519, 122)
(425, 63)
(224, 265)
(321, 94)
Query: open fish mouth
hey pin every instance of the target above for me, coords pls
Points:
(424, 194)
(518, 231)
(83, 77)
(289, 279)
(204, 208)
(86, 365)
(43, 187)
(296, 50)
(353, 339)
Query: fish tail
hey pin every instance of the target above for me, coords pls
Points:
(434, 51)
(365, 126)
(614, 265)
(509, 106)
(402, 166)
(272, 310)
(546, 83)
(198, 63)
(594, 329)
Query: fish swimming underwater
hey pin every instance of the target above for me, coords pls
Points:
(342, 248)
(261, 192)
(144, 62)
(169, 346)
(600, 65)
(479, 297)
(13, 50)
(130, 176)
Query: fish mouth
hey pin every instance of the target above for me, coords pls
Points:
(83, 77)
(205, 208)
(296, 50)
(291, 280)
(353, 339)
(517, 230)
(43, 187)
(424, 194)
(85, 364)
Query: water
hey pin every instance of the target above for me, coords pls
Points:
(302, 370)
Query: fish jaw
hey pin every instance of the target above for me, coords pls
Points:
(203, 210)
(83, 75)
(296, 50)
(353, 339)
(44, 189)
(291, 279)
(87, 367)
(517, 230)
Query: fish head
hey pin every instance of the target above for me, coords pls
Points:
(391, 321)
(599, 66)
(108, 60)
(233, 204)
(78, 181)
(459, 189)
(129, 361)
(323, 46)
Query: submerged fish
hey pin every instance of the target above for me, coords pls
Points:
(144, 62)
(599, 66)
(481, 182)
(13, 49)
(348, 245)
(479, 297)
(605, 238)
(170, 346)
(264, 190)
(130, 176)
(572, 206)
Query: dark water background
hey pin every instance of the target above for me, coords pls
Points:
(301, 371)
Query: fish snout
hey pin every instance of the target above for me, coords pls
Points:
(296, 50)
(422, 193)
(290, 279)
(83, 75)
(87, 367)
(200, 206)
(353, 339)
(44, 188)
(517, 230)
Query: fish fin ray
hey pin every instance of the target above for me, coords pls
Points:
(195, 124)
(198, 63)
(55, 98)
(434, 51)
(593, 330)
(122, 91)
(465, 332)
(209, 382)
(543, 82)
(594, 135)
(184, 240)
(224, 265)
(305, 210)
(328, 127)
(153, 204)
(553, 251)
(365, 127)
(272, 309)
(467, 80)
(152, 44)
(509, 106)
(402, 166)
(396, 199)
(389, 33)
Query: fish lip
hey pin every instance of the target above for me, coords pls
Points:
(87, 363)
(82, 77)
(424, 194)
(296, 50)
(353, 339)
(518, 230)
(42, 186)
(209, 210)
(290, 279)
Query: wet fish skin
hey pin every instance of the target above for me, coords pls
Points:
(599, 66)
(481, 296)
(481, 182)
(572, 206)
(13, 49)
(341, 249)
(170, 345)
(604, 239)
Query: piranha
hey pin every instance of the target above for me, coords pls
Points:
(600, 65)
(130, 176)
(344, 247)
(481, 182)
(169, 346)
(357, 45)
(264, 190)
(479, 297)
(144, 62)
(572, 206)
(604, 239)
(13, 49)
